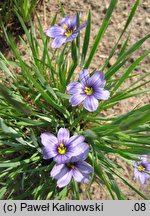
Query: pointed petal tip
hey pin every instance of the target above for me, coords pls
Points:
(91, 103)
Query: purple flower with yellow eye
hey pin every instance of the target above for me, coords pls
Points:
(78, 170)
(141, 167)
(66, 31)
(89, 90)
(63, 147)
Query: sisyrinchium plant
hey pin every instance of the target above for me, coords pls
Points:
(54, 135)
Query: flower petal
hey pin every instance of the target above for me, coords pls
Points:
(62, 182)
(84, 148)
(98, 80)
(58, 171)
(147, 175)
(90, 103)
(48, 139)
(49, 152)
(80, 152)
(147, 166)
(101, 94)
(76, 99)
(136, 173)
(63, 135)
(75, 140)
(142, 178)
(73, 22)
(61, 159)
(55, 31)
(77, 175)
(65, 21)
(75, 87)
(84, 77)
(58, 41)
(84, 167)
(74, 159)
(82, 26)
(86, 179)
(72, 37)
(143, 158)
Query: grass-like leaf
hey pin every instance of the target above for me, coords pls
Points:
(101, 32)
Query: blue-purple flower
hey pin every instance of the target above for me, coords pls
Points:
(89, 90)
(141, 167)
(66, 31)
(63, 147)
(63, 173)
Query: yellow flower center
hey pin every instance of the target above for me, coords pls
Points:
(68, 31)
(65, 26)
(88, 90)
(71, 165)
(62, 149)
(141, 168)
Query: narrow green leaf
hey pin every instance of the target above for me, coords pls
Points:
(43, 93)
(5, 68)
(70, 72)
(74, 52)
(24, 27)
(19, 163)
(131, 186)
(86, 39)
(122, 33)
(101, 32)
(8, 130)
(122, 51)
(20, 106)
(3, 190)
(135, 120)
(139, 79)
(115, 186)
(129, 70)
(123, 58)
(32, 6)
(62, 9)
(100, 173)
(54, 20)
